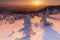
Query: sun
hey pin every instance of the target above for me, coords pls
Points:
(37, 3)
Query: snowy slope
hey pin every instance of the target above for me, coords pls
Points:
(36, 31)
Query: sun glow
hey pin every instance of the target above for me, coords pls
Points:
(36, 3)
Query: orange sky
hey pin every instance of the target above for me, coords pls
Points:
(30, 3)
(21, 3)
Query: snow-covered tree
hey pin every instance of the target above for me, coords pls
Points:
(47, 12)
(43, 20)
(55, 11)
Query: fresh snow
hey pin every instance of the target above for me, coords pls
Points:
(30, 29)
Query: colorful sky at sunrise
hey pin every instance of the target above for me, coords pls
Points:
(31, 2)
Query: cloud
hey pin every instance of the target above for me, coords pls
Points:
(14, 0)
(31, 0)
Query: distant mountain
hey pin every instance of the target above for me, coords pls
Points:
(49, 8)
(20, 10)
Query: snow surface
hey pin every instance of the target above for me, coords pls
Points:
(30, 29)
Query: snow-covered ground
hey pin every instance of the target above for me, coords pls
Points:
(16, 31)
